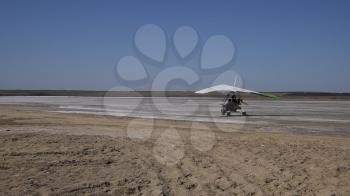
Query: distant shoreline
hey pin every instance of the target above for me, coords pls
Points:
(283, 95)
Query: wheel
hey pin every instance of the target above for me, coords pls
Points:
(223, 111)
(228, 113)
(244, 113)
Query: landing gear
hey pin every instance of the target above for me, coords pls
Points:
(228, 112)
(243, 112)
(232, 104)
(223, 111)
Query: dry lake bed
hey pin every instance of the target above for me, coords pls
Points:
(175, 146)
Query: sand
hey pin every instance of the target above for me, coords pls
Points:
(48, 153)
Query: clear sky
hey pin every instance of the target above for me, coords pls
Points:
(296, 45)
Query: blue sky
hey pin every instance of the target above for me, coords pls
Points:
(292, 45)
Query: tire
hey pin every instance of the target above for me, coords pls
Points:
(228, 113)
(244, 113)
(223, 111)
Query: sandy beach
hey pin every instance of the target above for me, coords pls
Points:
(48, 153)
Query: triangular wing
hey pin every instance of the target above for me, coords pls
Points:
(223, 88)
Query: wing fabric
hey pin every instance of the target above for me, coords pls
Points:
(227, 88)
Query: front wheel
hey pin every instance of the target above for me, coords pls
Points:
(244, 113)
(223, 111)
(228, 113)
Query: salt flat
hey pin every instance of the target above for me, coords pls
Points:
(331, 117)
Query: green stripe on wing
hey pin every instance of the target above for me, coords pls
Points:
(270, 96)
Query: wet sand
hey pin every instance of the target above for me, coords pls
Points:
(45, 152)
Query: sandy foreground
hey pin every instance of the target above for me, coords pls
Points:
(47, 153)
